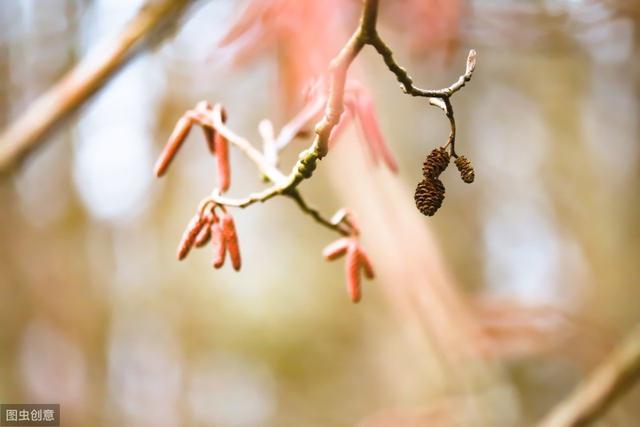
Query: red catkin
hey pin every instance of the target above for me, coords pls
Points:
(365, 262)
(219, 245)
(352, 267)
(189, 236)
(204, 235)
(210, 136)
(222, 156)
(179, 134)
(336, 249)
(231, 239)
(209, 133)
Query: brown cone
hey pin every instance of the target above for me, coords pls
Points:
(435, 163)
(466, 169)
(429, 196)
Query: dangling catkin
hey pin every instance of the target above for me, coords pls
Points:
(231, 239)
(352, 270)
(189, 236)
(219, 245)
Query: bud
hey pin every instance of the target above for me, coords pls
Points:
(471, 62)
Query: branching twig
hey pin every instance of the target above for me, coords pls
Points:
(77, 86)
(597, 393)
(366, 33)
(316, 215)
(245, 147)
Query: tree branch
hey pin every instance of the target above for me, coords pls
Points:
(612, 379)
(87, 77)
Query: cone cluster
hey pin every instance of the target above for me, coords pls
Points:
(430, 191)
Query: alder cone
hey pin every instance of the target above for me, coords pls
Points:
(435, 163)
(466, 169)
(429, 196)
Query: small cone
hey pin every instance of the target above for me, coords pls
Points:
(435, 163)
(429, 196)
(466, 169)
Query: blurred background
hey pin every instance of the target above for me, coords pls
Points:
(486, 314)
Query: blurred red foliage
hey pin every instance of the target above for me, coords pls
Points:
(307, 34)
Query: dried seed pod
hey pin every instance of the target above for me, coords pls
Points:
(365, 262)
(219, 245)
(352, 269)
(435, 163)
(466, 169)
(222, 156)
(336, 249)
(429, 196)
(189, 236)
(231, 239)
(179, 134)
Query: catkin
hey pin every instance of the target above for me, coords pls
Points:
(219, 245)
(336, 249)
(365, 262)
(231, 238)
(204, 235)
(352, 270)
(189, 236)
(222, 155)
(179, 134)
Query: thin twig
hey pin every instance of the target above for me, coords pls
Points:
(612, 379)
(245, 146)
(407, 82)
(317, 216)
(87, 77)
